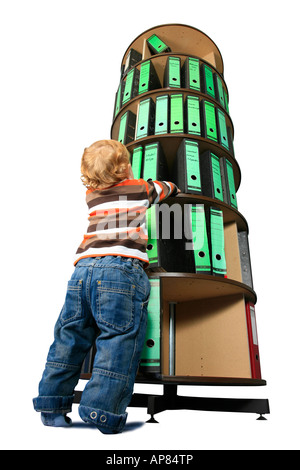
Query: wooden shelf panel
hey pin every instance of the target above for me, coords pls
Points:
(186, 287)
(181, 39)
(189, 380)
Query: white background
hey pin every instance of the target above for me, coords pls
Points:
(60, 67)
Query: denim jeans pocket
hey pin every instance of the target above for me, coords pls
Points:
(115, 304)
(72, 309)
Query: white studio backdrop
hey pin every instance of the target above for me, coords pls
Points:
(60, 63)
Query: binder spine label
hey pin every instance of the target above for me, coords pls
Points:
(220, 91)
(231, 184)
(151, 223)
(193, 115)
(144, 118)
(144, 77)
(150, 162)
(210, 121)
(200, 240)
(162, 115)
(176, 118)
(209, 81)
(194, 73)
(130, 85)
(223, 137)
(157, 45)
(173, 72)
(150, 357)
(137, 158)
(118, 100)
(217, 178)
(217, 242)
(122, 129)
(192, 166)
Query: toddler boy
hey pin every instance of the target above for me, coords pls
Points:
(108, 292)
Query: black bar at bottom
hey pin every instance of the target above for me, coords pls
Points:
(171, 401)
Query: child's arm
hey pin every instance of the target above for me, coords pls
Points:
(160, 190)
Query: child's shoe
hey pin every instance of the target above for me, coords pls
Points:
(56, 420)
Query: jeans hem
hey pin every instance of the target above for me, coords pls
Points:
(58, 404)
(105, 421)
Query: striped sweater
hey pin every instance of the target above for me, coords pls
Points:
(117, 218)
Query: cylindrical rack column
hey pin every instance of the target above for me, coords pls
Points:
(171, 111)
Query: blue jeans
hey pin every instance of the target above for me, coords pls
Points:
(109, 294)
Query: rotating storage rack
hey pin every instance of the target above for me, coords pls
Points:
(171, 100)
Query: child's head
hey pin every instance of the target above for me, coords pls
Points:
(104, 163)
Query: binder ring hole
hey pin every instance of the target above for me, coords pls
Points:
(210, 88)
(127, 93)
(224, 137)
(201, 254)
(176, 123)
(195, 81)
(194, 177)
(211, 129)
(161, 124)
(159, 46)
(150, 343)
(149, 247)
(174, 79)
(233, 196)
(142, 128)
(218, 190)
(143, 84)
(218, 257)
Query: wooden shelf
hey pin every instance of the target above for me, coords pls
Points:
(186, 287)
(205, 381)
(181, 39)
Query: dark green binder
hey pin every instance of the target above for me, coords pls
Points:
(219, 90)
(148, 78)
(131, 85)
(191, 74)
(118, 100)
(152, 224)
(172, 76)
(133, 57)
(127, 127)
(208, 80)
(145, 120)
(186, 168)
(192, 106)
(209, 121)
(150, 357)
(200, 240)
(229, 183)
(211, 175)
(176, 114)
(222, 129)
(217, 242)
(156, 45)
(136, 162)
(161, 115)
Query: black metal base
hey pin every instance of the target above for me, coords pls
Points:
(171, 401)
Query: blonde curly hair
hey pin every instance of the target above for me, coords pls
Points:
(104, 163)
